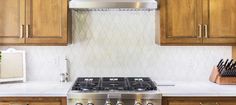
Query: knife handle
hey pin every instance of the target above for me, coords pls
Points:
(226, 62)
(228, 65)
(233, 65)
(219, 63)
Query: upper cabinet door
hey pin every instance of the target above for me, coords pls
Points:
(220, 17)
(12, 19)
(181, 21)
(46, 22)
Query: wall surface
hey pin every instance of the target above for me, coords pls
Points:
(111, 43)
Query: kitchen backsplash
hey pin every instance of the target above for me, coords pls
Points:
(121, 43)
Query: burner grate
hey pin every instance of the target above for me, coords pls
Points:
(141, 84)
(87, 84)
(114, 84)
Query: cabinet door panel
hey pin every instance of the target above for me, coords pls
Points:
(221, 20)
(13, 103)
(227, 103)
(11, 19)
(47, 20)
(202, 103)
(179, 21)
(183, 103)
(45, 103)
(4, 103)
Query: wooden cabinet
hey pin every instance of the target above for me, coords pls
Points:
(13, 103)
(33, 101)
(220, 17)
(179, 21)
(198, 22)
(45, 103)
(46, 21)
(4, 103)
(11, 19)
(183, 103)
(199, 101)
(33, 22)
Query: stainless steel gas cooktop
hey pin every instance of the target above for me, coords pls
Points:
(114, 91)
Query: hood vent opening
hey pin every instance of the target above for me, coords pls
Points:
(114, 5)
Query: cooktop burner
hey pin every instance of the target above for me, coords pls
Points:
(87, 84)
(114, 84)
(141, 84)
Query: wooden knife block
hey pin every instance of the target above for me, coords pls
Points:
(216, 78)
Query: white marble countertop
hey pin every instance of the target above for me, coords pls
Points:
(196, 89)
(177, 89)
(34, 89)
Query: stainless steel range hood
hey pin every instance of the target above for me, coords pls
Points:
(114, 4)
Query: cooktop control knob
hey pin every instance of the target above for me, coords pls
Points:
(149, 103)
(138, 102)
(119, 103)
(90, 104)
(108, 102)
(78, 104)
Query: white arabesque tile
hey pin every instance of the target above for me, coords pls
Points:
(121, 43)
